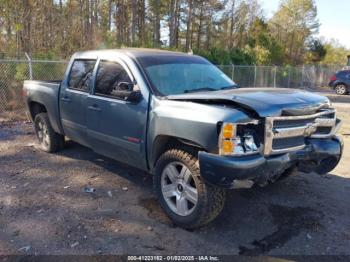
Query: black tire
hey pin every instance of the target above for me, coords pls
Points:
(210, 201)
(53, 141)
(341, 89)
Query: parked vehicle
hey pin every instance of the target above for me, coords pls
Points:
(341, 82)
(184, 121)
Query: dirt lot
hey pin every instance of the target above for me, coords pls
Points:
(44, 208)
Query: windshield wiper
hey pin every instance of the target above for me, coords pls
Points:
(200, 90)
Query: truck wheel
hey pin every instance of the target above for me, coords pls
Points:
(49, 140)
(181, 192)
(340, 89)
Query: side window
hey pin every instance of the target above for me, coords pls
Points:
(81, 74)
(112, 80)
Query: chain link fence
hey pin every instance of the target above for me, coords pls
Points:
(305, 77)
(14, 72)
(12, 75)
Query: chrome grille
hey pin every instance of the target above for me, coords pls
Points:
(288, 133)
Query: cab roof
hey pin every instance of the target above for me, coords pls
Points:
(131, 52)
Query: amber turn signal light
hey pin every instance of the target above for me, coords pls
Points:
(228, 131)
(227, 147)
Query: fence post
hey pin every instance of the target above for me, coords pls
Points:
(254, 75)
(289, 71)
(30, 66)
(233, 71)
(274, 76)
(302, 77)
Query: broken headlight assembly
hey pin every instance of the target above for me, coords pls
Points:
(239, 139)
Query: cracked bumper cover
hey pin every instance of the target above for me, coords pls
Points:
(319, 155)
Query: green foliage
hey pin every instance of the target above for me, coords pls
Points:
(45, 55)
(262, 55)
(41, 71)
(224, 31)
(336, 54)
(22, 72)
(316, 53)
(221, 56)
(293, 25)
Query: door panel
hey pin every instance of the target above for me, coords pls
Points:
(116, 128)
(73, 98)
(73, 115)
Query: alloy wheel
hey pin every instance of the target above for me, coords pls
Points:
(340, 89)
(43, 134)
(179, 189)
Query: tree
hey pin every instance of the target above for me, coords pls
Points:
(316, 53)
(263, 45)
(156, 14)
(336, 54)
(189, 25)
(293, 25)
(174, 13)
(225, 31)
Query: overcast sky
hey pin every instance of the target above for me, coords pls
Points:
(333, 15)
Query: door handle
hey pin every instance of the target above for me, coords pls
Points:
(65, 99)
(94, 108)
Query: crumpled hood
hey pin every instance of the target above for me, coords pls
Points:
(264, 101)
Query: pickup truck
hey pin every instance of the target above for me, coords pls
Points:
(181, 119)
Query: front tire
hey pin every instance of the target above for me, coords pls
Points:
(49, 140)
(184, 196)
(341, 89)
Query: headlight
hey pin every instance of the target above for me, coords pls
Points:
(232, 143)
(249, 143)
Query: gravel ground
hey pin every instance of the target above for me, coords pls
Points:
(44, 208)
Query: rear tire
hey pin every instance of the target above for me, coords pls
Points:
(184, 196)
(341, 89)
(49, 140)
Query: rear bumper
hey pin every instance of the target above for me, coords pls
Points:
(319, 155)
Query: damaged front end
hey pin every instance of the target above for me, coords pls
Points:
(311, 136)
(307, 143)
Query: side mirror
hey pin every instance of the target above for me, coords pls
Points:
(133, 96)
(125, 86)
(127, 92)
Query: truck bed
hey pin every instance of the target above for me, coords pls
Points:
(45, 93)
(49, 83)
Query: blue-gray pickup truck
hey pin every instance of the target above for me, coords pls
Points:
(179, 118)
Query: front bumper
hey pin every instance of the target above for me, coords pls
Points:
(319, 155)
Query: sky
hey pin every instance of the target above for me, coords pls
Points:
(334, 17)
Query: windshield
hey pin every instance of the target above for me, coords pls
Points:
(175, 74)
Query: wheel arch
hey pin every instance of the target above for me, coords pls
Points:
(36, 108)
(341, 83)
(164, 142)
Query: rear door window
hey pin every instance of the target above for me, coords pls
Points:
(111, 79)
(81, 75)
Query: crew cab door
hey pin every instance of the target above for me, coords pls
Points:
(73, 95)
(116, 127)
